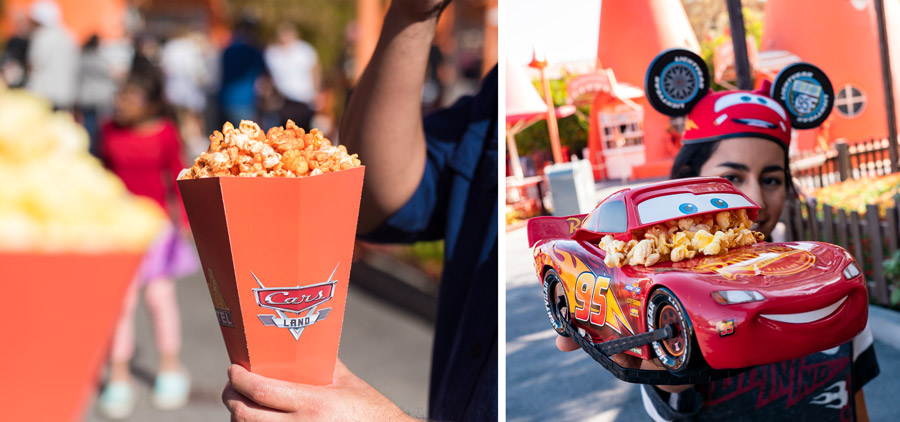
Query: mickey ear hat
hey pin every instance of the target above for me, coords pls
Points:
(677, 84)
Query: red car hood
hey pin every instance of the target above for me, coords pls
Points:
(763, 266)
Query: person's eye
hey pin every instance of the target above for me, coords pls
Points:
(733, 178)
(772, 182)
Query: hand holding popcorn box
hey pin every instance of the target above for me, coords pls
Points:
(71, 237)
(274, 219)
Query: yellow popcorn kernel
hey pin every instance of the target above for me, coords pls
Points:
(686, 223)
(681, 239)
(701, 239)
(639, 254)
(723, 219)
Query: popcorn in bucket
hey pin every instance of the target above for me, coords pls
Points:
(274, 219)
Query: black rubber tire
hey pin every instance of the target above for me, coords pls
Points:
(681, 353)
(676, 80)
(556, 302)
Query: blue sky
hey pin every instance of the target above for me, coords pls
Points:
(565, 29)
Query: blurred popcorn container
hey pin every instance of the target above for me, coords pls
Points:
(71, 239)
(276, 254)
(59, 312)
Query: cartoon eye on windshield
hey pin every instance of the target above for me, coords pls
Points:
(687, 208)
(670, 207)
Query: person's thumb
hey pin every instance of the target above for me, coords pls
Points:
(566, 344)
(268, 392)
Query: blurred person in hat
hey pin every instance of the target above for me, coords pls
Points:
(431, 178)
(744, 137)
(52, 57)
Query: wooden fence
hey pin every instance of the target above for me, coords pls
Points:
(869, 238)
(820, 169)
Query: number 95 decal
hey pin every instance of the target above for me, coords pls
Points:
(595, 303)
(726, 328)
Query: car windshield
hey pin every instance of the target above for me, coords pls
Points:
(609, 217)
(670, 207)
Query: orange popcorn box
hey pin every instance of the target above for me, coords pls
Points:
(59, 313)
(276, 253)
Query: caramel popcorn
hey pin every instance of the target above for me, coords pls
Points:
(287, 151)
(682, 239)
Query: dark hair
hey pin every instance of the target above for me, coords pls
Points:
(692, 157)
(246, 25)
(92, 43)
(149, 80)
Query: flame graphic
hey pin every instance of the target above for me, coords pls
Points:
(571, 269)
(614, 314)
(770, 261)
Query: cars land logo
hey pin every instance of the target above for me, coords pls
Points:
(296, 300)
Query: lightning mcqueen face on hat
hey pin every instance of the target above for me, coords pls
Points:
(722, 114)
(752, 305)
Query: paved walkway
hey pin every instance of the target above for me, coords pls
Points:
(544, 384)
(399, 367)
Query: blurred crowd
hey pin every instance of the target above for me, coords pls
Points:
(267, 80)
(147, 102)
(202, 84)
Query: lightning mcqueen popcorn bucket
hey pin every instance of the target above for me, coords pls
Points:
(276, 253)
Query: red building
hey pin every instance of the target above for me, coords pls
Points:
(841, 39)
(628, 140)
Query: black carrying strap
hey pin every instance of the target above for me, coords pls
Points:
(601, 352)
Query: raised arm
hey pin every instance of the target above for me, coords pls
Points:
(383, 120)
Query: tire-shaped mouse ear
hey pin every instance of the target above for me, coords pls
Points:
(806, 93)
(676, 81)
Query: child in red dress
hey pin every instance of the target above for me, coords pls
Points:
(142, 147)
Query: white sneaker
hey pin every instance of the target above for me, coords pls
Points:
(117, 400)
(171, 390)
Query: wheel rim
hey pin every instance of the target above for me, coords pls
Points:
(560, 305)
(679, 82)
(674, 345)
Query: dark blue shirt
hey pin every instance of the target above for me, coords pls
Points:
(242, 64)
(457, 201)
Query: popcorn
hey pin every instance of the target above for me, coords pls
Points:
(281, 152)
(57, 197)
(682, 239)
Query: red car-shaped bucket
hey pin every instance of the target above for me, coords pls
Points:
(752, 305)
